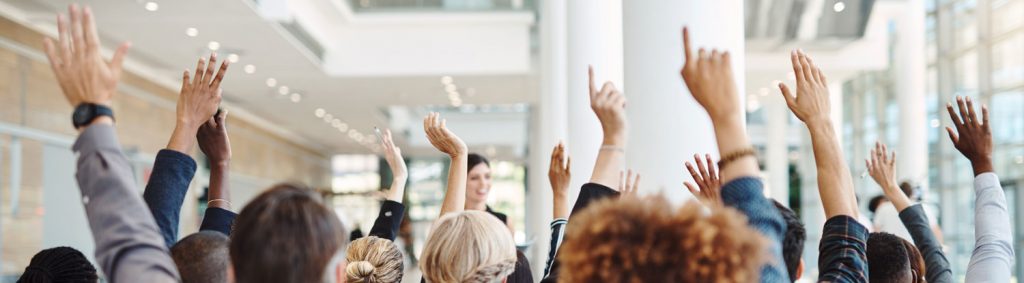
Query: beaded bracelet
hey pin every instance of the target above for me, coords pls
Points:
(735, 155)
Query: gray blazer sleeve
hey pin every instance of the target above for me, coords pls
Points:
(129, 247)
(917, 224)
(992, 260)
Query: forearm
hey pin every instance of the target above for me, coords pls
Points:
(397, 191)
(609, 162)
(129, 247)
(835, 185)
(219, 188)
(732, 137)
(992, 259)
(165, 192)
(183, 138)
(895, 195)
(455, 196)
(916, 222)
(561, 206)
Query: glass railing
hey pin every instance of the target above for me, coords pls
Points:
(439, 5)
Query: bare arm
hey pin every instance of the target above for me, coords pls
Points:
(399, 171)
(447, 142)
(559, 175)
(610, 106)
(214, 142)
(710, 80)
(812, 106)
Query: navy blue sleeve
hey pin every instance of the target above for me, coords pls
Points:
(747, 195)
(218, 219)
(589, 194)
(165, 192)
(916, 221)
(389, 220)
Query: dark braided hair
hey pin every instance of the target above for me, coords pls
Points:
(60, 264)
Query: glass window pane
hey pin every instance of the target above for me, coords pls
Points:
(1008, 117)
(1007, 15)
(965, 25)
(1008, 62)
(966, 74)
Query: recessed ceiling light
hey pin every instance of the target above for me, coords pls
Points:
(839, 6)
(336, 123)
(233, 58)
(296, 97)
(328, 118)
(450, 88)
(456, 103)
(343, 127)
(249, 69)
(283, 90)
(213, 45)
(152, 6)
(191, 32)
(446, 80)
(320, 112)
(271, 82)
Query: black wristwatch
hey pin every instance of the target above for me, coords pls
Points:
(85, 113)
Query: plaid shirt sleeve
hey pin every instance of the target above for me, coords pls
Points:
(842, 253)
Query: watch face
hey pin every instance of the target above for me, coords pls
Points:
(82, 115)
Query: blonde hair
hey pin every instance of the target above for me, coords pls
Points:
(374, 260)
(646, 240)
(468, 247)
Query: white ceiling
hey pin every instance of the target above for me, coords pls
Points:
(162, 47)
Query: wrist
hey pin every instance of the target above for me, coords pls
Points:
(618, 140)
(221, 163)
(982, 165)
(819, 123)
(187, 125)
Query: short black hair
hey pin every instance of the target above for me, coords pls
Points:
(202, 257)
(909, 189)
(473, 159)
(60, 264)
(875, 202)
(793, 242)
(888, 259)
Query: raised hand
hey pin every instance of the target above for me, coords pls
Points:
(213, 139)
(198, 101)
(559, 176)
(399, 171)
(83, 74)
(973, 137)
(610, 106)
(882, 168)
(628, 183)
(447, 142)
(710, 80)
(442, 138)
(708, 186)
(811, 103)
(201, 94)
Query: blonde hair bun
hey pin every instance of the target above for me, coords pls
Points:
(360, 269)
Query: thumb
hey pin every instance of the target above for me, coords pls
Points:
(118, 60)
(787, 95)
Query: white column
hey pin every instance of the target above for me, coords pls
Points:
(549, 124)
(594, 38)
(910, 87)
(666, 125)
(777, 147)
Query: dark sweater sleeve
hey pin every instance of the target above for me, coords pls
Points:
(589, 194)
(165, 192)
(747, 195)
(389, 220)
(218, 219)
(917, 224)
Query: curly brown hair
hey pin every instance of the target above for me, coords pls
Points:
(643, 240)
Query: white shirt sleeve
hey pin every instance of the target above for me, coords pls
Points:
(992, 259)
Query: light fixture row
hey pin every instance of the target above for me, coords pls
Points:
(453, 91)
(342, 127)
